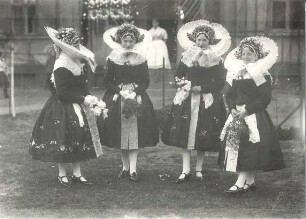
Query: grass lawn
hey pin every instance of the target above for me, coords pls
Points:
(29, 188)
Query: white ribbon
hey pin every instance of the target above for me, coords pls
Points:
(208, 100)
(78, 112)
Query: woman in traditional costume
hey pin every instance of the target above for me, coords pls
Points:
(249, 137)
(198, 112)
(131, 122)
(62, 133)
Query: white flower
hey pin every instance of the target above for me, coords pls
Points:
(105, 111)
(101, 104)
(97, 111)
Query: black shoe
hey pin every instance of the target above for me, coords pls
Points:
(186, 178)
(248, 187)
(199, 178)
(134, 177)
(124, 174)
(239, 190)
(67, 184)
(81, 180)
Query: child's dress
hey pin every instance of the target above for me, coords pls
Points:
(196, 123)
(62, 134)
(256, 146)
(138, 130)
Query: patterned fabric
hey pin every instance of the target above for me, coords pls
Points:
(265, 155)
(192, 125)
(57, 135)
(111, 128)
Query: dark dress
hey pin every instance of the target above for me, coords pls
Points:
(267, 154)
(210, 121)
(57, 135)
(110, 129)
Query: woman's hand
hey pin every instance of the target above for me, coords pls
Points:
(132, 96)
(196, 89)
(234, 112)
(241, 115)
(88, 100)
(124, 94)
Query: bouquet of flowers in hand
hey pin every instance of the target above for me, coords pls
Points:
(98, 107)
(130, 108)
(235, 129)
(183, 88)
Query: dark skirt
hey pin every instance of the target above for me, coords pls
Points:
(4, 82)
(110, 128)
(265, 155)
(58, 137)
(209, 125)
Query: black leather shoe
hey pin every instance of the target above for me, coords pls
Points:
(134, 177)
(248, 187)
(238, 190)
(186, 178)
(81, 180)
(124, 174)
(67, 184)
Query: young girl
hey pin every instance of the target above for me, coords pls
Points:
(250, 141)
(198, 113)
(62, 133)
(131, 122)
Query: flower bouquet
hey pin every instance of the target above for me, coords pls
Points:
(183, 88)
(98, 107)
(130, 105)
(235, 129)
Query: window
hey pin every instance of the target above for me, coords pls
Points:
(25, 17)
(279, 14)
(297, 15)
(288, 14)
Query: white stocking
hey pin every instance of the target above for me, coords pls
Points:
(133, 160)
(125, 159)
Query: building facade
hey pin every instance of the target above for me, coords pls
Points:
(281, 20)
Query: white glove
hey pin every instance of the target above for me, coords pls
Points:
(132, 96)
(125, 94)
(88, 100)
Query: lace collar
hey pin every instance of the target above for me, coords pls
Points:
(126, 57)
(64, 61)
(253, 72)
(208, 58)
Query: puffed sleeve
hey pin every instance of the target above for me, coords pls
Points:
(231, 96)
(144, 82)
(109, 80)
(62, 78)
(181, 70)
(264, 98)
(218, 80)
(164, 34)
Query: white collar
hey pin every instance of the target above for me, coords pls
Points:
(127, 57)
(64, 61)
(207, 60)
(253, 70)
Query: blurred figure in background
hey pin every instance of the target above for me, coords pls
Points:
(158, 52)
(4, 82)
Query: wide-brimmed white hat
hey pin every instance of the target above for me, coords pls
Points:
(220, 33)
(71, 51)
